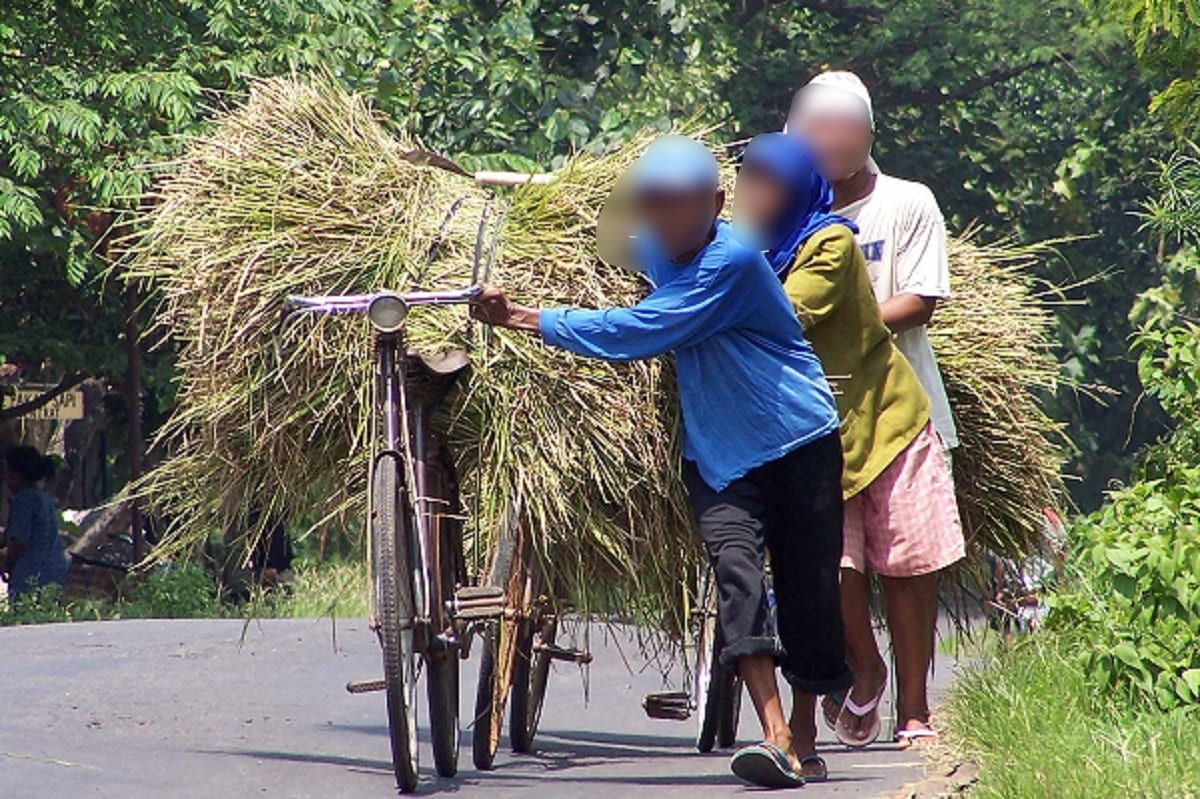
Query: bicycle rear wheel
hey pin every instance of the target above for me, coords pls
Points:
(531, 672)
(392, 576)
(718, 690)
(499, 651)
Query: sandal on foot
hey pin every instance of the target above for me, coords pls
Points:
(909, 738)
(869, 711)
(831, 707)
(820, 762)
(765, 765)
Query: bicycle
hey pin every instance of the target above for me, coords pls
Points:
(425, 610)
(715, 695)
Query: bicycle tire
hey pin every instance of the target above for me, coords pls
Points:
(443, 675)
(531, 673)
(731, 712)
(707, 670)
(495, 664)
(390, 524)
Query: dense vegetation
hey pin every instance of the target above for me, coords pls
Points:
(1105, 700)
(1028, 117)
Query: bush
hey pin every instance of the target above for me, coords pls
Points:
(1135, 597)
(173, 591)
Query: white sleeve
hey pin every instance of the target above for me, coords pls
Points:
(922, 265)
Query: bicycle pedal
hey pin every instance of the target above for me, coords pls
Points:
(478, 592)
(561, 653)
(475, 602)
(668, 706)
(365, 686)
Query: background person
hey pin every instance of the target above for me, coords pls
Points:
(903, 237)
(759, 422)
(33, 553)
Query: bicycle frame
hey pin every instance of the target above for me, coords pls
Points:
(403, 425)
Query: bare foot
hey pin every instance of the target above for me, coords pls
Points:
(783, 740)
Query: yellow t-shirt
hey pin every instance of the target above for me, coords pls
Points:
(880, 400)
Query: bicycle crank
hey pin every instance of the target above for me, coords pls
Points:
(365, 686)
(561, 653)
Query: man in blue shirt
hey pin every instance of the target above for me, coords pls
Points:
(762, 456)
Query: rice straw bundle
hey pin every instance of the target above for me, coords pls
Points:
(302, 191)
(993, 340)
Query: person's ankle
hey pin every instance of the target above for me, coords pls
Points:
(804, 743)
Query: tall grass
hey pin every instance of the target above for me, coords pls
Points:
(1039, 727)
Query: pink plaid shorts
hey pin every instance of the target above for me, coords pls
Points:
(905, 523)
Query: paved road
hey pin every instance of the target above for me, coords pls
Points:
(178, 709)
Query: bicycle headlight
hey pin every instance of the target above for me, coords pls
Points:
(387, 312)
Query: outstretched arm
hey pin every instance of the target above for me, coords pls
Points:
(671, 317)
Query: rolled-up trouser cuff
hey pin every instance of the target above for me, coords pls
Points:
(751, 645)
(842, 682)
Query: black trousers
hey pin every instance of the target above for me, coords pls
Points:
(791, 507)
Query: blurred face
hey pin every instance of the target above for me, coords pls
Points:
(841, 143)
(758, 199)
(681, 221)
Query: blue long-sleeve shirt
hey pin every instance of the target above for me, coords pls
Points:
(750, 386)
(33, 521)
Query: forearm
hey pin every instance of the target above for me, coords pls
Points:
(522, 318)
(907, 311)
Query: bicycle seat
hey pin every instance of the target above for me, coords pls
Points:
(443, 362)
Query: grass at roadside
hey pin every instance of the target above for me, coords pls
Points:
(188, 591)
(1038, 727)
(329, 589)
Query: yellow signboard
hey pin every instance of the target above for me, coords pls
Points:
(68, 405)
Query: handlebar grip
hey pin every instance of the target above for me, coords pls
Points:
(490, 178)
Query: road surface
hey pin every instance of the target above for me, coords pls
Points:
(183, 709)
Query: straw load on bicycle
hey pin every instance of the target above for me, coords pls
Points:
(302, 190)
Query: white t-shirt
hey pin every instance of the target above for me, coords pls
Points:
(903, 236)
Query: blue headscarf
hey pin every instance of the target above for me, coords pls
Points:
(810, 196)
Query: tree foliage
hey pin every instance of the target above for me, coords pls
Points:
(1166, 37)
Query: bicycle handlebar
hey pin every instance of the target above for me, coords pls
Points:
(489, 178)
(358, 303)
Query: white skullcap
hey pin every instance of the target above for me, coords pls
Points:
(836, 92)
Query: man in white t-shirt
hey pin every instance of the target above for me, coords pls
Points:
(900, 227)
(903, 236)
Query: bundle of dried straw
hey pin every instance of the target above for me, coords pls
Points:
(303, 190)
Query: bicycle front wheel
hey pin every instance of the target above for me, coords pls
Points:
(394, 612)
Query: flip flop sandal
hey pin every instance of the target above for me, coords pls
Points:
(868, 711)
(766, 766)
(911, 737)
(814, 758)
(831, 707)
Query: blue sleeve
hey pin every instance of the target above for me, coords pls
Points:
(673, 316)
(21, 516)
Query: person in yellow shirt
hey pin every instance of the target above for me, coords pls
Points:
(901, 519)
